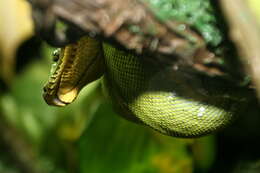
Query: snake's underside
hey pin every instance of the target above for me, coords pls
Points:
(171, 101)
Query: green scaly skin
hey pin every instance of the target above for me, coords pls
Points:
(165, 99)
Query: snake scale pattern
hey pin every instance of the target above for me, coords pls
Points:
(166, 100)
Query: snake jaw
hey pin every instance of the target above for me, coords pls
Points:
(68, 97)
(50, 92)
(53, 100)
(78, 64)
(56, 98)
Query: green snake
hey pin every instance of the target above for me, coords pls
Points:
(168, 99)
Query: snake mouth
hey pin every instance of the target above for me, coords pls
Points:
(77, 65)
(52, 99)
(58, 98)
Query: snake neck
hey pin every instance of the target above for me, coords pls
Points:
(124, 79)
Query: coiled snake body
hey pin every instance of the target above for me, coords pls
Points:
(168, 100)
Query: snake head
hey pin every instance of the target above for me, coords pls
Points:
(74, 66)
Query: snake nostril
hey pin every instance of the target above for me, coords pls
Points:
(44, 89)
(55, 55)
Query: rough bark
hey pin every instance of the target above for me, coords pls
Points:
(132, 25)
(245, 33)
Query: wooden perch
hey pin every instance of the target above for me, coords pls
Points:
(130, 24)
(245, 33)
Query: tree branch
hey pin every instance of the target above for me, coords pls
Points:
(132, 25)
(245, 33)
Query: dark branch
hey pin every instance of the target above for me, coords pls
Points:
(128, 23)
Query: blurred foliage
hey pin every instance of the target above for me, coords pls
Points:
(86, 136)
(15, 27)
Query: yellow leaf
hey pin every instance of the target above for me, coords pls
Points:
(255, 7)
(15, 27)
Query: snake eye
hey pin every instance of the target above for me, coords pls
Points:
(55, 55)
